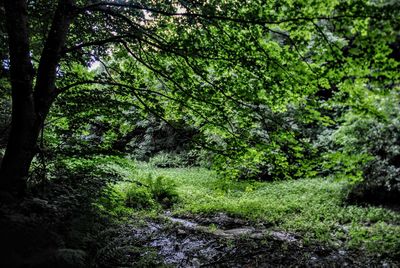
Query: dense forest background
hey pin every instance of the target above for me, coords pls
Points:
(112, 110)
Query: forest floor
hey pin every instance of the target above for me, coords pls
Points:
(217, 223)
(206, 222)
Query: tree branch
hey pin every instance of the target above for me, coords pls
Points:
(136, 6)
(45, 84)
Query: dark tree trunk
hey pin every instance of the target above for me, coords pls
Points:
(20, 147)
(30, 106)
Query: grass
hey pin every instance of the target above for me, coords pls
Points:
(312, 208)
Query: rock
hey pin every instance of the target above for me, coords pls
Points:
(196, 263)
(181, 232)
(283, 236)
(239, 231)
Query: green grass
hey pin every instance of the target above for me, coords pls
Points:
(312, 208)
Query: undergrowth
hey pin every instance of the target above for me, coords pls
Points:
(312, 208)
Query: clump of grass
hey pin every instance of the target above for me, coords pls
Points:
(313, 208)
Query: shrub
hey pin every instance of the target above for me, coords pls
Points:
(88, 181)
(153, 191)
(189, 158)
(112, 202)
(163, 190)
(366, 150)
(139, 197)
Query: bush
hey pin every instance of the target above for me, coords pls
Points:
(112, 202)
(268, 162)
(88, 182)
(162, 190)
(278, 147)
(366, 150)
(153, 192)
(139, 197)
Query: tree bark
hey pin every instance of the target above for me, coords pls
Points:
(30, 106)
(20, 150)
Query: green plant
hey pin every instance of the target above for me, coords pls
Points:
(313, 208)
(150, 192)
(167, 160)
(139, 197)
(163, 190)
(112, 202)
(380, 237)
(365, 150)
(280, 147)
(212, 227)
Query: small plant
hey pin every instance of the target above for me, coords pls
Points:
(163, 190)
(213, 227)
(153, 191)
(167, 160)
(139, 197)
(111, 202)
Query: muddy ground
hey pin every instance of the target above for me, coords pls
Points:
(221, 241)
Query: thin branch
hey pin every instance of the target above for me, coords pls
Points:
(219, 17)
(96, 43)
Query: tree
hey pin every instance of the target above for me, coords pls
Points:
(32, 94)
(184, 44)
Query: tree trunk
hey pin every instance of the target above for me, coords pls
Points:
(30, 106)
(20, 150)
(21, 147)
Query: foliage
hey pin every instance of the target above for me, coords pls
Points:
(113, 203)
(182, 159)
(90, 175)
(378, 238)
(163, 190)
(150, 191)
(248, 77)
(271, 90)
(5, 112)
(280, 148)
(165, 160)
(366, 149)
(55, 226)
(117, 246)
(138, 197)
